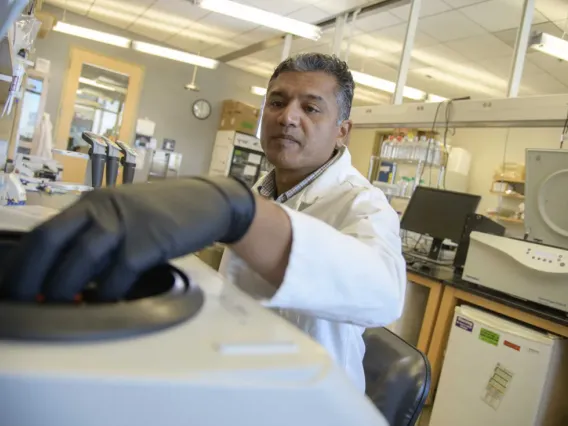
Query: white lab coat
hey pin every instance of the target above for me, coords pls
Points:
(346, 271)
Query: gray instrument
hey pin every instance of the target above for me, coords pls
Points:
(128, 161)
(97, 161)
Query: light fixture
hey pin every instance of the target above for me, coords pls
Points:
(95, 83)
(261, 17)
(435, 98)
(260, 91)
(551, 45)
(176, 55)
(390, 86)
(94, 35)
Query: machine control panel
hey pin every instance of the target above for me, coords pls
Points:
(546, 256)
(250, 142)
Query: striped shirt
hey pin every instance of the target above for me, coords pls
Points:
(267, 188)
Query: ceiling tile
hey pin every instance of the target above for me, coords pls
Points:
(541, 84)
(338, 6)
(428, 8)
(217, 51)
(547, 63)
(166, 19)
(109, 16)
(257, 35)
(481, 47)
(253, 65)
(501, 67)
(279, 7)
(483, 85)
(226, 24)
(209, 35)
(509, 36)
(553, 10)
(438, 55)
(180, 8)
(189, 44)
(456, 4)
(377, 21)
(304, 44)
(80, 7)
(499, 15)
(309, 14)
(449, 26)
(154, 29)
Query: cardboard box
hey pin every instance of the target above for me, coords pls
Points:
(240, 117)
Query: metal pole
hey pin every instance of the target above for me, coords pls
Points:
(521, 46)
(406, 51)
(287, 48)
(338, 36)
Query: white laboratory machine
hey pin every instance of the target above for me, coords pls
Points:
(239, 155)
(546, 196)
(199, 353)
(499, 373)
(520, 268)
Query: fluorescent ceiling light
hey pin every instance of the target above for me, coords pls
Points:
(99, 36)
(176, 55)
(261, 17)
(389, 86)
(436, 98)
(260, 91)
(550, 45)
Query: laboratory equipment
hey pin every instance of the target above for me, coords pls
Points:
(97, 159)
(439, 214)
(40, 168)
(113, 153)
(239, 155)
(128, 161)
(523, 269)
(198, 350)
(546, 196)
(474, 222)
(497, 372)
(164, 164)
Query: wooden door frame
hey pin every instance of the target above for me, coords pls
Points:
(79, 56)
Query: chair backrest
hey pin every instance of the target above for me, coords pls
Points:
(397, 376)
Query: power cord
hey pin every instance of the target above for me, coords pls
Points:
(564, 131)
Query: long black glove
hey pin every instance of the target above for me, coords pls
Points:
(112, 236)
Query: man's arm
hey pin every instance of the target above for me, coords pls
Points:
(266, 245)
(355, 274)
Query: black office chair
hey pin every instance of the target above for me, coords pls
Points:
(397, 375)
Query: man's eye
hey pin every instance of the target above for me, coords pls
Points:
(311, 109)
(276, 104)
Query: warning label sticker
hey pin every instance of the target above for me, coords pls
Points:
(512, 345)
(464, 323)
(489, 336)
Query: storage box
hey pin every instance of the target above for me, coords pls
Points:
(240, 117)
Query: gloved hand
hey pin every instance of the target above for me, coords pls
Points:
(111, 236)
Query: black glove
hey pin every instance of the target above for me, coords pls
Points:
(112, 236)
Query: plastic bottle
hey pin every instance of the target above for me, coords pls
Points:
(410, 188)
(402, 186)
(386, 148)
(395, 149)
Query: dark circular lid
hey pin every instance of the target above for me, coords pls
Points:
(162, 297)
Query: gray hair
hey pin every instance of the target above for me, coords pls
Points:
(330, 64)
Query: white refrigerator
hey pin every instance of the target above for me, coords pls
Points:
(499, 373)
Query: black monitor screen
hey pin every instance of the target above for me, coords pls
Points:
(438, 213)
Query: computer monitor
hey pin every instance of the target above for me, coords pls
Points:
(439, 214)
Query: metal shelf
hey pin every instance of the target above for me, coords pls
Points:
(506, 219)
(509, 195)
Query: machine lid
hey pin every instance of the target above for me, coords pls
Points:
(127, 148)
(162, 297)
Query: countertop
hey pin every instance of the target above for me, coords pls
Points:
(446, 276)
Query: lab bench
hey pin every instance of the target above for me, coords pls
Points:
(446, 291)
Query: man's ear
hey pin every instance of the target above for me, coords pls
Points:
(343, 133)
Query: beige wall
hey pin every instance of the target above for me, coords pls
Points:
(361, 145)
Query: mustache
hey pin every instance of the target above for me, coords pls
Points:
(285, 136)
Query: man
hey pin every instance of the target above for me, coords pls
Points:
(333, 284)
(317, 241)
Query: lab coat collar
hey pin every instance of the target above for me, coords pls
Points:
(332, 178)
